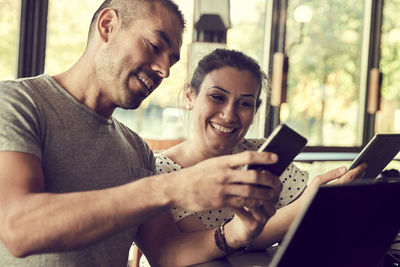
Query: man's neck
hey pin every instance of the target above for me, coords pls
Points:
(80, 82)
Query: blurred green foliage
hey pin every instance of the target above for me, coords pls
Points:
(9, 19)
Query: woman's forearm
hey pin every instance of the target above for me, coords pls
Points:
(276, 227)
(164, 244)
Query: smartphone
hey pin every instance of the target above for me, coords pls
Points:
(286, 143)
(379, 151)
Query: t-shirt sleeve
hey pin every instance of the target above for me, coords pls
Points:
(151, 159)
(19, 120)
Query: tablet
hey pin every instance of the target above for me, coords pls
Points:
(378, 153)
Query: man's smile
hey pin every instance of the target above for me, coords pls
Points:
(147, 84)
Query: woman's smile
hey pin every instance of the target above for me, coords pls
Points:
(222, 129)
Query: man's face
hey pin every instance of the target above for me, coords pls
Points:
(137, 58)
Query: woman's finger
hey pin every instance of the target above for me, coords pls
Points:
(330, 175)
(357, 172)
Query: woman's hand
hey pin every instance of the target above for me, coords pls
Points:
(247, 224)
(336, 176)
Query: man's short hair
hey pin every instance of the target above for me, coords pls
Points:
(130, 10)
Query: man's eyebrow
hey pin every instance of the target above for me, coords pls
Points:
(227, 92)
(167, 40)
(164, 36)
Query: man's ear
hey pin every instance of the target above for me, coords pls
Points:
(107, 22)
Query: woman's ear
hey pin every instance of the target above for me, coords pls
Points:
(107, 22)
(189, 94)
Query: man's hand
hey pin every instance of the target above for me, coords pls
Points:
(218, 182)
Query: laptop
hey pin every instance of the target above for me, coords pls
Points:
(342, 226)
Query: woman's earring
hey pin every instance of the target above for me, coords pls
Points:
(188, 107)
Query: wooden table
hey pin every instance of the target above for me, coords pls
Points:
(242, 259)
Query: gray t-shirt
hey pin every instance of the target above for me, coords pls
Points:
(79, 151)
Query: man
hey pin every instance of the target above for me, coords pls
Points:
(70, 187)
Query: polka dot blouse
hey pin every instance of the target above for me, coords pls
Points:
(293, 179)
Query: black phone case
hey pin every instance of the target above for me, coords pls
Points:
(284, 142)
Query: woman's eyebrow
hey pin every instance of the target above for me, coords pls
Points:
(227, 92)
(220, 88)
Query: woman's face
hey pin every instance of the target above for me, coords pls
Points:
(224, 108)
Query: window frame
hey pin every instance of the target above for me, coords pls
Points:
(32, 40)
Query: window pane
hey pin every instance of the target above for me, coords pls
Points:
(248, 19)
(9, 36)
(324, 71)
(67, 30)
(388, 118)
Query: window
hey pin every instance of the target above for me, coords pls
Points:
(388, 118)
(67, 30)
(324, 44)
(248, 19)
(331, 45)
(324, 40)
(9, 33)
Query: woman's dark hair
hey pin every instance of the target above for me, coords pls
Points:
(228, 58)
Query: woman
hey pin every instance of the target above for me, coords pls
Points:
(223, 97)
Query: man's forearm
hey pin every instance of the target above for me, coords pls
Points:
(43, 222)
(36, 222)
